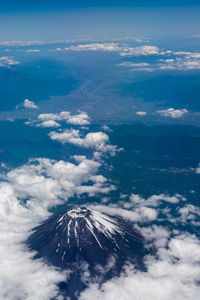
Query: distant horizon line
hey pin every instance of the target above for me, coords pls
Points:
(33, 42)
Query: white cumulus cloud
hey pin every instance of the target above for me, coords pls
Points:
(50, 123)
(174, 274)
(173, 113)
(95, 47)
(29, 104)
(52, 181)
(124, 50)
(140, 51)
(26, 194)
(95, 140)
(79, 119)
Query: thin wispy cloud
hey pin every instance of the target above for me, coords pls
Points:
(33, 50)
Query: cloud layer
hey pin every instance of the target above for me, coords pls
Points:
(173, 275)
(174, 271)
(174, 60)
(26, 194)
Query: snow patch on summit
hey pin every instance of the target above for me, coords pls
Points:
(94, 221)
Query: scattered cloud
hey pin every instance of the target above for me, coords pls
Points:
(189, 214)
(106, 128)
(140, 51)
(173, 275)
(142, 69)
(137, 209)
(29, 104)
(123, 50)
(79, 119)
(95, 47)
(64, 115)
(26, 194)
(95, 140)
(6, 61)
(176, 60)
(154, 200)
(173, 113)
(141, 113)
(141, 214)
(174, 271)
(50, 123)
(33, 43)
(198, 169)
(179, 64)
(20, 275)
(33, 50)
(191, 62)
(138, 65)
(29, 191)
(98, 141)
(187, 54)
(40, 42)
(55, 181)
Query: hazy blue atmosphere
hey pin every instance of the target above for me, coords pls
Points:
(99, 150)
(49, 20)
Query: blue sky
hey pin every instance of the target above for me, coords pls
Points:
(39, 5)
(97, 19)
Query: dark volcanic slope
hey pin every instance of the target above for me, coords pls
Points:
(87, 237)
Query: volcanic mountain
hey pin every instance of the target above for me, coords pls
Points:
(84, 238)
